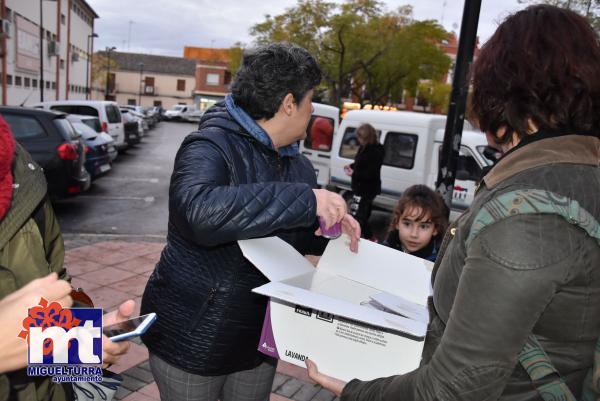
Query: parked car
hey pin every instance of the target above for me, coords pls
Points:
(99, 148)
(133, 127)
(107, 111)
(97, 159)
(139, 113)
(54, 145)
(176, 113)
(155, 113)
(412, 143)
(94, 124)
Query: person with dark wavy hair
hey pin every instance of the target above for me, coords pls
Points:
(239, 176)
(515, 312)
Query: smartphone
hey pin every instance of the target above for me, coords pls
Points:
(133, 327)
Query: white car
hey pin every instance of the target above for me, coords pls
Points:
(107, 112)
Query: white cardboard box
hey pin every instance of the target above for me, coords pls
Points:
(339, 313)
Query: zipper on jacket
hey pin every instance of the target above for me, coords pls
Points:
(279, 166)
(208, 302)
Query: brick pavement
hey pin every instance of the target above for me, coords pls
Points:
(112, 269)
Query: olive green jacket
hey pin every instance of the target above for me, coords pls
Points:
(27, 254)
(523, 274)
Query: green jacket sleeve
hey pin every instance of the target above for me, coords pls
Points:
(53, 243)
(511, 272)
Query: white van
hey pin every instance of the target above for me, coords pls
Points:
(181, 112)
(319, 139)
(107, 112)
(412, 143)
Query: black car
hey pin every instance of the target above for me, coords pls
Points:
(54, 145)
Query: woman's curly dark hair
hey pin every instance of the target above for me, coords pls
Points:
(541, 65)
(269, 73)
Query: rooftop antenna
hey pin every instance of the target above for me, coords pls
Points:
(443, 12)
(26, 98)
(129, 35)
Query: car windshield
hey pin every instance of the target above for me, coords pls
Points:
(113, 113)
(83, 129)
(66, 129)
(93, 123)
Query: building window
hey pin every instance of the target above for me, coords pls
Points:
(63, 19)
(149, 85)
(53, 85)
(62, 64)
(181, 84)
(18, 80)
(131, 102)
(27, 82)
(227, 78)
(47, 84)
(34, 83)
(9, 79)
(212, 79)
(157, 103)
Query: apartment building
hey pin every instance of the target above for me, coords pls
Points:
(147, 80)
(51, 62)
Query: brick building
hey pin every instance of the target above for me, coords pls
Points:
(212, 75)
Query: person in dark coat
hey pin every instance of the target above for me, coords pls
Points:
(239, 176)
(366, 176)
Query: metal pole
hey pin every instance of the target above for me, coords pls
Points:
(41, 52)
(87, 70)
(90, 50)
(140, 92)
(107, 72)
(458, 99)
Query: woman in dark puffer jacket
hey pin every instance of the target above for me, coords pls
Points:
(239, 176)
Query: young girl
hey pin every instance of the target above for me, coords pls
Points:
(418, 223)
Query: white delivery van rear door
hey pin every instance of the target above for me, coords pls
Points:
(319, 137)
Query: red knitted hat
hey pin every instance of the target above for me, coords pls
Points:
(7, 152)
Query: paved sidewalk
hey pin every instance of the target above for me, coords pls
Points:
(112, 269)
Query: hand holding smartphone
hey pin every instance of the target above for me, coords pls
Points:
(136, 326)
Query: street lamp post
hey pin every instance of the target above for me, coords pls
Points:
(108, 50)
(141, 65)
(87, 68)
(41, 52)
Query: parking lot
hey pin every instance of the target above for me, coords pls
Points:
(132, 198)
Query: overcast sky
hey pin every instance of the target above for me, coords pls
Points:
(165, 27)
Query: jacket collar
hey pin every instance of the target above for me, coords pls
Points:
(572, 149)
(256, 130)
